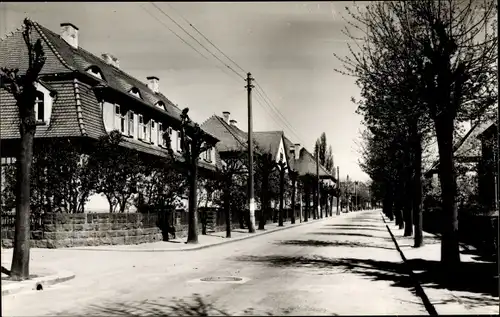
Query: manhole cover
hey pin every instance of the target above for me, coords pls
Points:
(221, 279)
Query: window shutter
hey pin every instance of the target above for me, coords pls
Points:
(131, 123)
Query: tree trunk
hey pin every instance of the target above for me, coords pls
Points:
(193, 205)
(282, 190)
(21, 255)
(307, 201)
(450, 253)
(292, 220)
(227, 206)
(264, 202)
(315, 202)
(417, 191)
(408, 215)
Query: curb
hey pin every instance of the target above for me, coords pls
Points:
(418, 288)
(32, 284)
(194, 248)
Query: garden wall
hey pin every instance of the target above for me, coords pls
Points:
(75, 230)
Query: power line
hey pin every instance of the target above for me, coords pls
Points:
(183, 40)
(267, 102)
(200, 33)
(274, 115)
(180, 26)
(275, 110)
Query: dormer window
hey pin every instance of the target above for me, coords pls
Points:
(94, 71)
(134, 91)
(43, 104)
(160, 104)
(39, 106)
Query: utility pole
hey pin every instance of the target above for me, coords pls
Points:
(338, 188)
(318, 209)
(251, 199)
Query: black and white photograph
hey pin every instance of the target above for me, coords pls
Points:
(249, 158)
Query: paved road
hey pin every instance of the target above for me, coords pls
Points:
(339, 266)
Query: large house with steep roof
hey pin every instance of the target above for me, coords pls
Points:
(83, 96)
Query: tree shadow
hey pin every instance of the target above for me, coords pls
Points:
(363, 228)
(352, 225)
(195, 305)
(343, 234)
(474, 277)
(319, 243)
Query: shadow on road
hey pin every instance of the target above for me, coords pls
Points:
(196, 305)
(473, 277)
(348, 225)
(319, 243)
(343, 234)
(364, 228)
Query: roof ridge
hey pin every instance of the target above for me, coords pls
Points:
(38, 28)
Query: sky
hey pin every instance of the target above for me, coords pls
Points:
(287, 46)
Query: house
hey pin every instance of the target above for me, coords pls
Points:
(233, 141)
(474, 157)
(82, 96)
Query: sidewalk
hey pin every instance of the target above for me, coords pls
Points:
(204, 241)
(476, 292)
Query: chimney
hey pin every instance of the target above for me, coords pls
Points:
(111, 60)
(69, 33)
(154, 84)
(234, 123)
(226, 115)
(297, 150)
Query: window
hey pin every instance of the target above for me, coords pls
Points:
(146, 128)
(140, 129)
(208, 155)
(281, 157)
(39, 106)
(94, 71)
(134, 91)
(154, 134)
(131, 123)
(179, 142)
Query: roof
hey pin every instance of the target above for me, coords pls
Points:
(288, 150)
(231, 139)
(268, 141)
(468, 147)
(307, 165)
(63, 58)
(76, 109)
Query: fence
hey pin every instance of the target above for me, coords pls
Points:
(480, 231)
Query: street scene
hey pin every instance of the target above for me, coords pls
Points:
(249, 158)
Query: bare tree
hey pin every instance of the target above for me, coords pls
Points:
(24, 90)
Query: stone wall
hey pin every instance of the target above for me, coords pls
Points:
(75, 230)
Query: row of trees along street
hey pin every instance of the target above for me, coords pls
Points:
(59, 175)
(423, 68)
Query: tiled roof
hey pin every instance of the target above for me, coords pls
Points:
(63, 122)
(80, 59)
(268, 141)
(307, 165)
(230, 139)
(290, 156)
